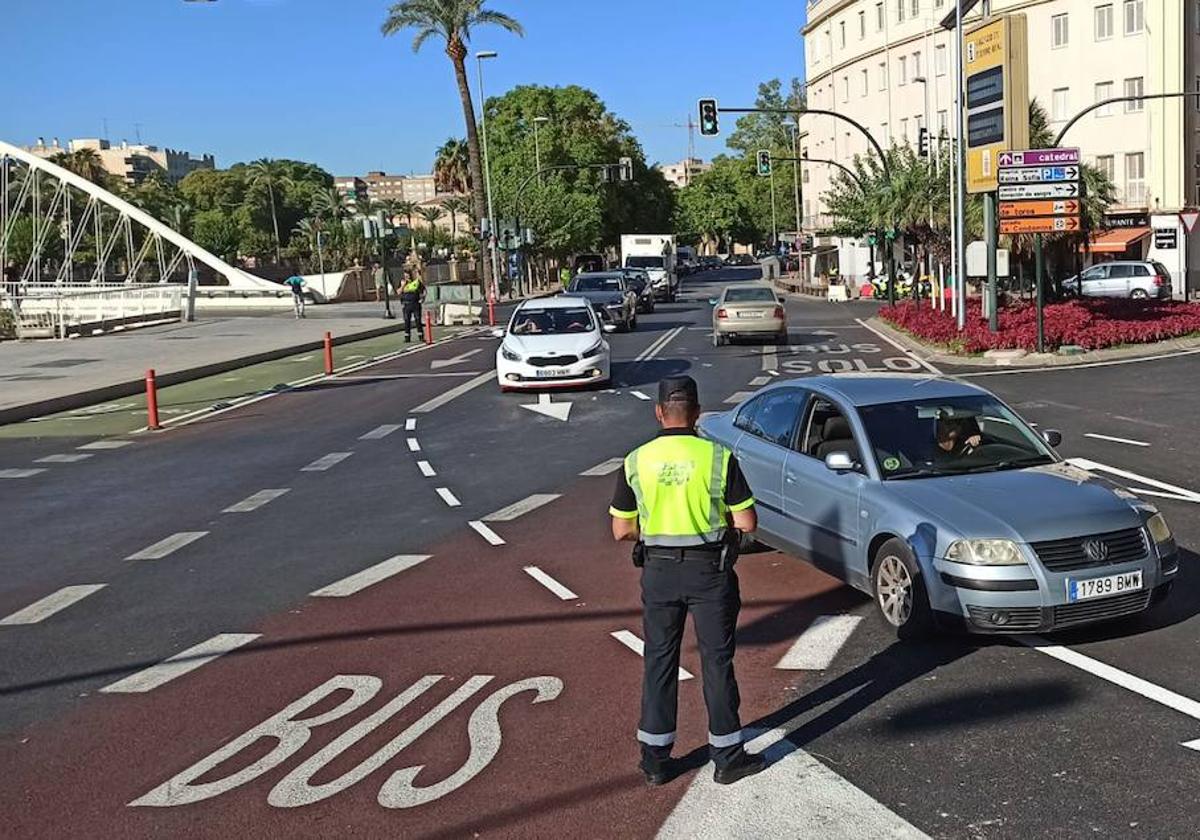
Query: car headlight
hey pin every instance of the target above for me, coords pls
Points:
(510, 355)
(985, 553)
(1160, 532)
(595, 350)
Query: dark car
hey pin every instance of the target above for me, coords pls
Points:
(640, 281)
(710, 263)
(741, 260)
(612, 292)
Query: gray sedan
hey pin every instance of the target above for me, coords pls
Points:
(935, 498)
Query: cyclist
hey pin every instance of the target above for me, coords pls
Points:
(296, 282)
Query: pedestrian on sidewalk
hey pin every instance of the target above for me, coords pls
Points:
(412, 295)
(296, 283)
(684, 502)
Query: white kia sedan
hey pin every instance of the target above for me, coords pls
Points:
(553, 343)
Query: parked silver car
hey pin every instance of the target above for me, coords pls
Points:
(935, 498)
(1139, 279)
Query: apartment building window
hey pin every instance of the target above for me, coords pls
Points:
(842, 33)
(937, 4)
(1104, 90)
(865, 83)
(943, 122)
(903, 71)
(1059, 103)
(845, 88)
(1135, 178)
(878, 17)
(882, 76)
(885, 136)
(1059, 32)
(900, 11)
(904, 130)
(1133, 87)
(862, 25)
(1104, 22)
(939, 60)
(1107, 164)
(916, 64)
(1135, 19)
(916, 8)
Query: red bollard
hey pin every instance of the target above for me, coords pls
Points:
(328, 354)
(491, 312)
(429, 328)
(152, 401)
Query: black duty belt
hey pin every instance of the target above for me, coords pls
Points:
(708, 552)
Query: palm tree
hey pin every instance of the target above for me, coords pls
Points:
(406, 209)
(270, 174)
(83, 162)
(330, 203)
(455, 207)
(431, 214)
(451, 167)
(452, 21)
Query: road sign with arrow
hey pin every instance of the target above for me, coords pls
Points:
(1026, 209)
(1040, 224)
(1025, 192)
(1038, 174)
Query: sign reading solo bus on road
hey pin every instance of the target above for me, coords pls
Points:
(1040, 191)
(997, 106)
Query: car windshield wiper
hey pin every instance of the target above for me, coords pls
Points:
(1011, 463)
(915, 472)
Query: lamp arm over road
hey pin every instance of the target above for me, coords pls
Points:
(1103, 102)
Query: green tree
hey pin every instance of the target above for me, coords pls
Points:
(455, 207)
(270, 175)
(431, 215)
(452, 168)
(217, 231)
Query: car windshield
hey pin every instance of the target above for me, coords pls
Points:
(645, 262)
(753, 295)
(575, 319)
(950, 436)
(596, 284)
(637, 281)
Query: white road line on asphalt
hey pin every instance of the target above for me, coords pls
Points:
(52, 603)
(326, 461)
(486, 532)
(257, 500)
(1169, 491)
(635, 644)
(105, 444)
(759, 381)
(550, 583)
(426, 469)
(605, 467)
(64, 458)
(818, 646)
(410, 425)
(20, 473)
(454, 393)
(900, 347)
(359, 581)
(380, 432)
(770, 359)
(1068, 368)
(181, 663)
(774, 372)
(168, 546)
(738, 396)
(414, 445)
(657, 347)
(387, 377)
(448, 497)
(640, 395)
(1116, 439)
(511, 512)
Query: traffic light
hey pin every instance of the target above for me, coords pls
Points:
(923, 141)
(710, 125)
(764, 162)
(625, 169)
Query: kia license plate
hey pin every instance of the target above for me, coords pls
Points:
(552, 373)
(1100, 587)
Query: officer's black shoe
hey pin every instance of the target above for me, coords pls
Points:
(656, 772)
(408, 339)
(741, 767)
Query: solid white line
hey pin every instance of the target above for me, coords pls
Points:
(738, 396)
(371, 575)
(391, 377)
(605, 467)
(759, 381)
(410, 425)
(486, 532)
(180, 664)
(635, 644)
(326, 461)
(20, 473)
(380, 432)
(167, 546)
(414, 445)
(426, 469)
(257, 500)
(448, 497)
(1181, 493)
(105, 444)
(900, 347)
(511, 512)
(770, 362)
(658, 346)
(63, 459)
(1068, 368)
(52, 603)
(550, 583)
(454, 393)
(818, 646)
(640, 395)
(1116, 439)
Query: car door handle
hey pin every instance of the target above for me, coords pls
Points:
(790, 478)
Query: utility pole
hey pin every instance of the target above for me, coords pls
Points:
(960, 248)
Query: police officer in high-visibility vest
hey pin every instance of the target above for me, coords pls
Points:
(411, 295)
(685, 502)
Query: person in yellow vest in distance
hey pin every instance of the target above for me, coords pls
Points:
(564, 277)
(412, 294)
(685, 503)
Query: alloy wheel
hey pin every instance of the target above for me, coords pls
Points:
(894, 590)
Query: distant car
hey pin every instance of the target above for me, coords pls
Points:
(1137, 279)
(588, 263)
(710, 263)
(748, 312)
(996, 533)
(741, 260)
(639, 279)
(553, 342)
(611, 290)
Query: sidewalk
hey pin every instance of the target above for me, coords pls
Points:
(43, 377)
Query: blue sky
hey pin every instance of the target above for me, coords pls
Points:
(314, 79)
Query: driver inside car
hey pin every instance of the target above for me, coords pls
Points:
(956, 437)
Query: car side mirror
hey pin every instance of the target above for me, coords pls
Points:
(498, 332)
(1052, 436)
(712, 301)
(839, 462)
(609, 328)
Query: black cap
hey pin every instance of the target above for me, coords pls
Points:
(678, 389)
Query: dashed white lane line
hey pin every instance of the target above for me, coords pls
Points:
(414, 445)
(181, 663)
(359, 581)
(605, 467)
(257, 500)
(410, 425)
(28, 473)
(737, 397)
(486, 532)
(1115, 439)
(635, 644)
(770, 359)
(448, 497)
(380, 432)
(759, 381)
(326, 461)
(900, 347)
(105, 444)
(550, 583)
(168, 546)
(508, 514)
(426, 469)
(640, 395)
(64, 458)
(818, 646)
(52, 603)
(454, 393)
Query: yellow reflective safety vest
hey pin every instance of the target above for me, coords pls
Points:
(679, 483)
(412, 286)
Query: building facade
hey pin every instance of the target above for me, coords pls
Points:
(414, 188)
(131, 161)
(890, 65)
(681, 174)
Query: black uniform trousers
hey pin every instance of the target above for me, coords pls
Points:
(671, 588)
(412, 314)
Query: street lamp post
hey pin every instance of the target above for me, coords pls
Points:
(791, 123)
(480, 57)
(537, 149)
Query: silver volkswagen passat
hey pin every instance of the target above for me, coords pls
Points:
(939, 501)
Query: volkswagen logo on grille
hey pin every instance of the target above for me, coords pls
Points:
(1096, 550)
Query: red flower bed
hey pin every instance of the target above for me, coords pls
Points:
(1091, 324)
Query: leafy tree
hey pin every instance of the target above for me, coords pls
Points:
(451, 167)
(455, 207)
(269, 174)
(218, 232)
(431, 215)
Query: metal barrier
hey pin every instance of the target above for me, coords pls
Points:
(60, 312)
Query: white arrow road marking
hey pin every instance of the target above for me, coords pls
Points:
(52, 603)
(511, 512)
(326, 461)
(64, 458)
(818, 646)
(257, 500)
(550, 583)
(1116, 439)
(544, 405)
(1164, 490)
(167, 546)
(380, 432)
(359, 581)
(437, 364)
(635, 644)
(486, 532)
(181, 663)
(605, 467)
